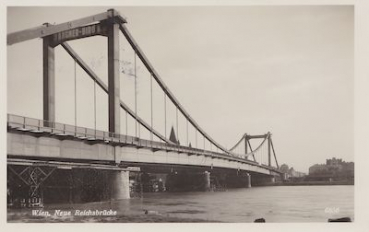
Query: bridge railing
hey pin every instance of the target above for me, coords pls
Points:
(42, 126)
(59, 129)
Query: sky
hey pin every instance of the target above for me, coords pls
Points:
(245, 69)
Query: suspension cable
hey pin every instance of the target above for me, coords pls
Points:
(165, 115)
(135, 76)
(95, 105)
(248, 141)
(126, 123)
(196, 137)
(187, 132)
(152, 109)
(275, 157)
(261, 155)
(177, 124)
(75, 93)
(204, 142)
(148, 65)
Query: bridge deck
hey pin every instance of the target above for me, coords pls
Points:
(64, 131)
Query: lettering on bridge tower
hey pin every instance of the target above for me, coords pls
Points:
(79, 33)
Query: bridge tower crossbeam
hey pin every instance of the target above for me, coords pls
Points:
(109, 27)
(268, 137)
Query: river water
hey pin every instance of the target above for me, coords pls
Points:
(274, 203)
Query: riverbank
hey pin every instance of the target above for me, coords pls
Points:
(16, 217)
(302, 183)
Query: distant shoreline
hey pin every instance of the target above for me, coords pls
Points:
(301, 183)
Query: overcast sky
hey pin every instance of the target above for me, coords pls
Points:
(246, 69)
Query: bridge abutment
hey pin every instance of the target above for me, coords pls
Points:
(34, 185)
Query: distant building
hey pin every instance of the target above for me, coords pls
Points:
(334, 161)
(290, 172)
(317, 169)
(333, 168)
(293, 173)
(284, 168)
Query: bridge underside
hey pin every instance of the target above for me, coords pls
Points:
(33, 182)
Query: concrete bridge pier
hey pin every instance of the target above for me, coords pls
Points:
(206, 181)
(248, 180)
(119, 185)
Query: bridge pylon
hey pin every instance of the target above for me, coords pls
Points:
(53, 35)
(113, 72)
(247, 145)
(268, 137)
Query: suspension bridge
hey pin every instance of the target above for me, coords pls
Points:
(41, 151)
